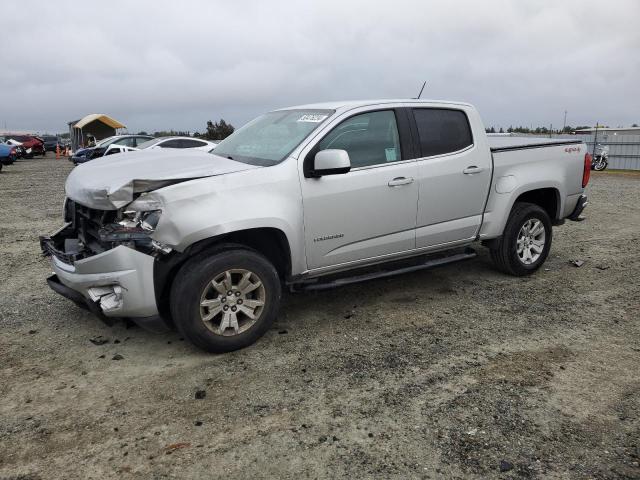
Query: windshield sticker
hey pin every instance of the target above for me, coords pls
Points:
(313, 118)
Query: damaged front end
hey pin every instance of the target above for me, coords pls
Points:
(89, 231)
(106, 255)
(104, 260)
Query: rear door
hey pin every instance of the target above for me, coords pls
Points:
(369, 211)
(454, 175)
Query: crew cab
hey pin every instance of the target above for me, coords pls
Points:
(306, 197)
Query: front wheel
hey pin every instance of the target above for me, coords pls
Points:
(225, 301)
(525, 242)
(600, 165)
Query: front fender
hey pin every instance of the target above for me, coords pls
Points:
(200, 209)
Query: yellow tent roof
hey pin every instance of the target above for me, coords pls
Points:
(106, 119)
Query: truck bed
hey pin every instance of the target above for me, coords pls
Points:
(499, 143)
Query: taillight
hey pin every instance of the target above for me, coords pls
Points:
(586, 173)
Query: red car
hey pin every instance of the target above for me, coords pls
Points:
(33, 145)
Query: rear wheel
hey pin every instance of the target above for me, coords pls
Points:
(526, 241)
(225, 301)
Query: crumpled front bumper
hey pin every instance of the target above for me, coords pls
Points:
(117, 283)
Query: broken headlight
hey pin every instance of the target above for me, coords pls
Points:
(135, 225)
(147, 221)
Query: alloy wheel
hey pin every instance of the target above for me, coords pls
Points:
(530, 241)
(232, 302)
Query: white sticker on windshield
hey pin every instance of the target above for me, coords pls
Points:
(313, 118)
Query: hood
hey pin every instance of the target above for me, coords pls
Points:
(110, 182)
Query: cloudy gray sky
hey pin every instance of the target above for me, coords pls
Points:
(176, 64)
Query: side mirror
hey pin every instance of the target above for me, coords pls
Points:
(331, 162)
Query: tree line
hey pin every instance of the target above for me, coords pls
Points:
(543, 130)
(538, 130)
(214, 131)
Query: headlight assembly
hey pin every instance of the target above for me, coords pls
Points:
(144, 213)
(147, 221)
(135, 225)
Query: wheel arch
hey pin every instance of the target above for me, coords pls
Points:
(268, 241)
(548, 198)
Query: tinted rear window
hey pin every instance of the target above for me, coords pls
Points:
(191, 143)
(442, 130)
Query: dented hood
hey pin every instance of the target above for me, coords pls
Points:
(109, 183)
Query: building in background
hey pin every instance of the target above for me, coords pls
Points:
(611, 131)
(92, 128)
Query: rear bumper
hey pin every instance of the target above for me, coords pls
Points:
(577, 211)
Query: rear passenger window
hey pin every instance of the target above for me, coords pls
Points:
(442, 131)
(191, 143)
(176, 143)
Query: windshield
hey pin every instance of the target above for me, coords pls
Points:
(149, 143)
(269, 139)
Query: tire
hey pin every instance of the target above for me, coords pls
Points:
(504, 251)
(600, 165)
(194, 298)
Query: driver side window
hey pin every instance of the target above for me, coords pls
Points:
(370, 139)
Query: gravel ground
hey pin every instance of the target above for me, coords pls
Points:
(458, 372)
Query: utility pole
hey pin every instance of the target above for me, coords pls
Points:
(565, 121)
(595, 141)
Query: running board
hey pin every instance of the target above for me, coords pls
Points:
(431, 263)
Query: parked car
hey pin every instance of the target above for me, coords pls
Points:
(112, 150)
(32, 145)
(8, 154)
(178, 142)
(52, 142)
(308, 197)
(20, 150)
(85, 154)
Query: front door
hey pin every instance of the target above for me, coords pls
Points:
(369, 211)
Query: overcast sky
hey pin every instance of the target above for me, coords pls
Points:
(176, 64)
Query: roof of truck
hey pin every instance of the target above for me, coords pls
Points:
(349, 104)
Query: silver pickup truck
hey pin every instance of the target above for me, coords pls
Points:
(306, 197)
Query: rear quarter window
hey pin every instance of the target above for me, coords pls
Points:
(191, 143)
(442, 131)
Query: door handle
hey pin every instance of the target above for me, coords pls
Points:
(398, 181)
(472, 169)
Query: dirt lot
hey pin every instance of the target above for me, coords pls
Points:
(458, 372)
